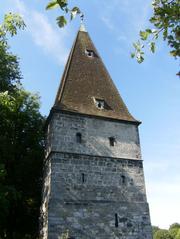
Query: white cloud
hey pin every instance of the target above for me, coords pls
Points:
(164, 198)
(50, 39)
(163, 191)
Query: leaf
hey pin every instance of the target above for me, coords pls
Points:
(140, 59)
(152, 47)
(52, 4)
(62, 3)
(61, 21)
(173, 53)
(74, 12)
(132, 55)
(12, 22)
(149, 30)
(144, 35)
(165, 33)
(155, 33)
(76, 9)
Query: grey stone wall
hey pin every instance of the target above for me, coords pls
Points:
(86, 206)
(95, 136)
(94, 190)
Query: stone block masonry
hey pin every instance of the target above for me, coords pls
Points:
(63, 128)
(94, 190)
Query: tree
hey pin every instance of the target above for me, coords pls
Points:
(165, 21)
(155, 229)
(21, 144)
(178, 235)
(162, 234)
(172, 233)
(174, 225)
(10, 73)
(174, 229)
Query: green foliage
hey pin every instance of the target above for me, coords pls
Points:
(21, 151)
(172, 233)
(21, 144)
(52, 4)
(165, 19)
(174, 230)
(63, 5)
(9, 65)
(162, 234)
(12, 22)
(61, 21)
(178, 235)
(155, 229)
(174, 225)
(139, 54)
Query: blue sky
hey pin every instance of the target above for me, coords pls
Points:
(150, 90)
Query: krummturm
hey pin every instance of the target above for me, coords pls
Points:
(93, 181)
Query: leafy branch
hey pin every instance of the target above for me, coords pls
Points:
(63, 5)
(12, 22)
(165, 19)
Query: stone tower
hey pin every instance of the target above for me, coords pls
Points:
(94, 183)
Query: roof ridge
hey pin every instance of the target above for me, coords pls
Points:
(64, 76)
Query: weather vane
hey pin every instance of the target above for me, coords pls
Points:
(82, 27)
(82, 18)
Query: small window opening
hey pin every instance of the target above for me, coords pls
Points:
(131, 181)
(112, 141)
(116, 220)
(123, 179)
(90, 53)
(83, 177)
(100, 104)
(79, 138)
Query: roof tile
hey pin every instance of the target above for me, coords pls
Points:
(85, 79)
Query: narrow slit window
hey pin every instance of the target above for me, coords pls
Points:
(79, 138)
(116, 220)
(123, 178)
(83, 177)
(112, 141)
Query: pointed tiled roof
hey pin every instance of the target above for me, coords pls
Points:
(85, 80)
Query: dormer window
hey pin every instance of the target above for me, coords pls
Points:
(100, 104)
(90, 53)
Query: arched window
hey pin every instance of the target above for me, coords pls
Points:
(79, 138)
